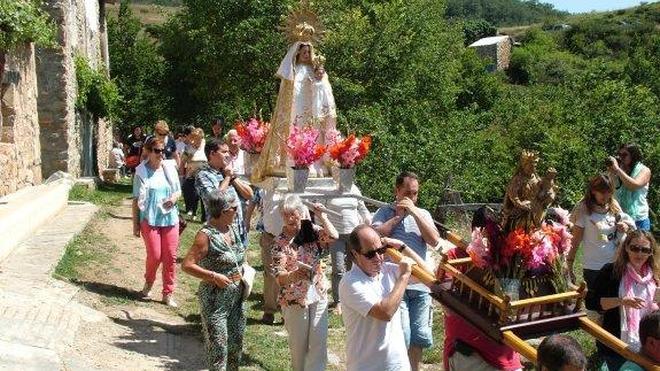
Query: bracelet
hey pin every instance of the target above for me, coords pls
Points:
(402, 247)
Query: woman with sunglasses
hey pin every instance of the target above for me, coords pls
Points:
(156, 190)
(632, 180)
(215, 258)
(598, 225)
(625, 291)
(298, 269)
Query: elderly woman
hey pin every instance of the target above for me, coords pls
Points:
(625, 292)
(216, 257)
(632, 184)
(297, 267)
(156, 190)
(598, 224)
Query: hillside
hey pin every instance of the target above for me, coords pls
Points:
(148, 13)
(503, 12)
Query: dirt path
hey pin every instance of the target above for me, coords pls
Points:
(138, 335)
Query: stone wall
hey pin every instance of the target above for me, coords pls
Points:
(20, 158)
(71, 141)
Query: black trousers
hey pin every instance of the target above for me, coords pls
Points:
(191, 198)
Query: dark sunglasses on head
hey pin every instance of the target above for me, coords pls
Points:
(158, 151)
(372, 253)
(642, 249)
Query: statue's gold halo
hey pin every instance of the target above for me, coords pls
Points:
(303, 25)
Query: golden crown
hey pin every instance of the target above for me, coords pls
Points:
(303, 25)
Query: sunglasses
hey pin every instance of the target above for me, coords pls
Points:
(623, 154)
(158, 151)
(372, 253)
(642, 249)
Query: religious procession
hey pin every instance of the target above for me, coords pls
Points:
(509, 290)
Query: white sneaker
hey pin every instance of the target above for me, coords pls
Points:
(146, 290)
(169, 301)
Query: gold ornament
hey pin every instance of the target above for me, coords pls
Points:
(303, 25)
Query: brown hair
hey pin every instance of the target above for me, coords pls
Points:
(600, 183)
(151, 142)
(622, 259)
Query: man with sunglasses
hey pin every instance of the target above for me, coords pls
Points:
(371, 293)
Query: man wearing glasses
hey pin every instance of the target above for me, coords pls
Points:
(371, 293)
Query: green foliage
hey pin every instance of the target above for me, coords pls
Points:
(503, 12)
(477, 29)
(138, 70)
(402, 73)
(23, 21)
(97, 94)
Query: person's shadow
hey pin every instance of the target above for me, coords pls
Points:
(179, 347)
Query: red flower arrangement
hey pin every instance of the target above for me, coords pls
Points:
(350, 151)
(520, 254)
(252, 133)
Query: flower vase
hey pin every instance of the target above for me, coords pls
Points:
(251, 160)
(297, 179)
(511, 288)
(345, 179)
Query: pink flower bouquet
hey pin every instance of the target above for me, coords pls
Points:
(253, 134)
(302, 147)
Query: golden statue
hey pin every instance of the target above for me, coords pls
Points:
(527, 195)
(305, 96)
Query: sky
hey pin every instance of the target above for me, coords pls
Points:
(581, 6)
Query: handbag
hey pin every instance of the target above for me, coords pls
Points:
(247, 279)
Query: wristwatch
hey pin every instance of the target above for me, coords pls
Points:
(402, 247)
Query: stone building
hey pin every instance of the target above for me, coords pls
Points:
(497, 49)
(42, 131)
(20, 150)
(71, 140)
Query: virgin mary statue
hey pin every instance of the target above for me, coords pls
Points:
(305, 97)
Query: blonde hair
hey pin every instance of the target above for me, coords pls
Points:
(161, 125)
(197, 136)
(621, 259)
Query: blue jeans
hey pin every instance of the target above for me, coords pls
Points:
(417, 318)
(644, 224)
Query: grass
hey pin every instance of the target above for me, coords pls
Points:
(105, 195)
(265, 347)
(82, 251)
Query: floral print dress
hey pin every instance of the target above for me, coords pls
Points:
(222, 309)
(286, 255)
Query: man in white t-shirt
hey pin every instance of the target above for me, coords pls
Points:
(370, 294)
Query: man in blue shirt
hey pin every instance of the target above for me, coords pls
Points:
(404, 221)
(218, 174)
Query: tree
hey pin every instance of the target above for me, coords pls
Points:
(138, 71)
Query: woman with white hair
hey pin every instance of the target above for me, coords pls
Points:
(216, 257)
(297, 266)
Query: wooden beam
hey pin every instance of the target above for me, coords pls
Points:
(456, 274)
(519, 345)
(418, 272)
(546, 299)
(616, 344)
